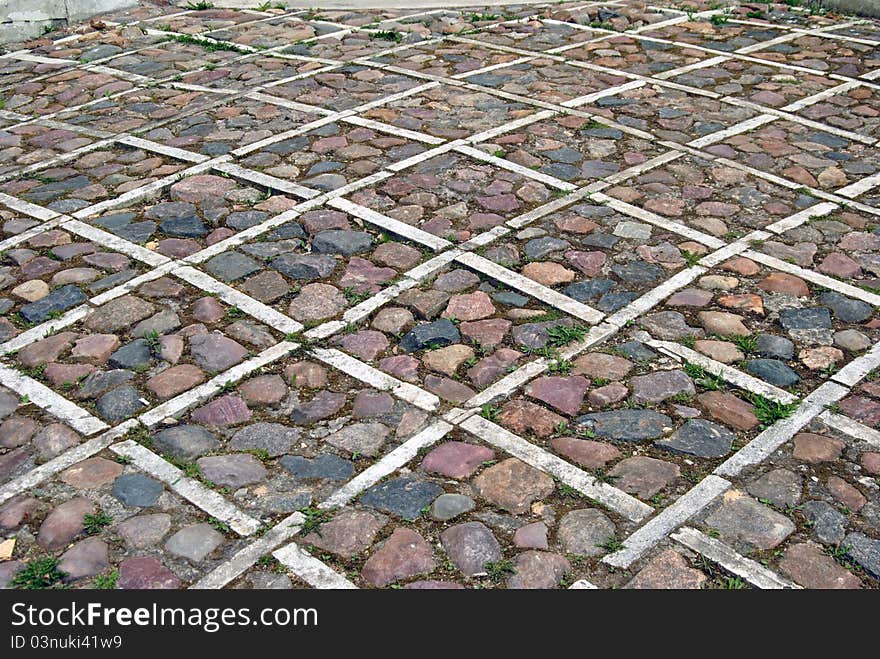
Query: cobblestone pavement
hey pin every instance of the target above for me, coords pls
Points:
(571, 296)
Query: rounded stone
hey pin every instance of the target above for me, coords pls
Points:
(137, 490)
(583, 532)
(448, 506)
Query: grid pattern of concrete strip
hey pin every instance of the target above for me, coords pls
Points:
(313, 571)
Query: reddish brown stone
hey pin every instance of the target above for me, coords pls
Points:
(404, 554)
(513, 485)
(522, 416)
(456, 459)
(729, 409)
(585, 452)
(668, 570)
(810, 567)
(814, 448)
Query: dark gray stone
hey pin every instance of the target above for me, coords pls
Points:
(777, 347)
(510, 299)
(611, 302)
(245, 219)
(137, 490)
(829, 524)
(637, 351)
(626, 425)
(639, 273)
(190, 226)
(185, 442)
(328, 466)
(119, 404)
(699, 437)
(136, 354)
(404, 497)
(100, 382)
(808, 318)
(541, 247)
(230, 266)
(274, 438)
(773, 371)
(865, 551)
(304, 266)
(58, 301)
(845, 308)
(584, 291)
(438, 334)
(338, 241)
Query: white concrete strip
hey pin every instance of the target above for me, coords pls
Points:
(193, 491)
(249, 305)
(852, 428)
(192, 397)
(763, 45)
(815, 277)
(393, 130)
(267, 181)
(859, 187)
(721, 255)
(735, 563)
(582, 584)
(399, 96)
(155, 147)
(823, 95)
(485, 238)
(792, 221)
(856, 371)
(45, 329)
(310, 569)
(387, 465)
(531, 287)
(614, 499)
(595, 96)
(402, 229)
(508, 383)
(646, 166)
(552, 206)
(741, 127)
(653, 297)
(728, 373)
(27, 56)
(522, 122)
(428, 268)
(279, 137)
(687, 68)
(244, 236)
(766, 443)
(658, 221)
(669, 519)
(424, 156)
(115, 243)
(144, 192)
(291, 105)
(27, 208)
(376, 378)
(246, 557)
(793, 118)
(77, 454)
(514, 167)
(55, 404)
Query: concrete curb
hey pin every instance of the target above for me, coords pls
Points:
(869, 8)
(26, 19)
